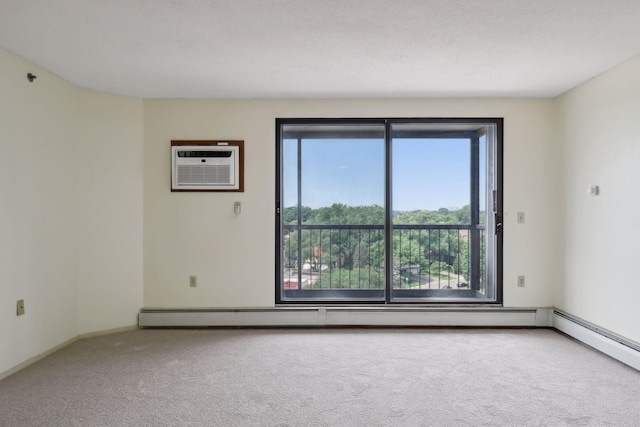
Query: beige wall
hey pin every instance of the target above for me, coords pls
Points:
(601, 146)
(110, 211)
(197, 233)
(37, 210)
(71, 211)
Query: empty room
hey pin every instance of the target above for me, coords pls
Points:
(319, 213)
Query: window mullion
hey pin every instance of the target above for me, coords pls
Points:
(474, 232)
(388, 212)
(299, 199)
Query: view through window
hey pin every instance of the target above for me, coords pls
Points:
(389, 210)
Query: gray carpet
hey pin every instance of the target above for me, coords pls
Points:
(324, 377)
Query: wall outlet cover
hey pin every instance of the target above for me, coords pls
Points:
(20, 307)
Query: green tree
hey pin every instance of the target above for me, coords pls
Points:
(290, 214)
(339, 214)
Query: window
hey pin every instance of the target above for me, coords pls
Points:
(389, 211)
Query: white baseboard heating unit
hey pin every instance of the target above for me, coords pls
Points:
(345, 316)
(620, 348)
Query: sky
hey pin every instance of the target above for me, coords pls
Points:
(428, 174)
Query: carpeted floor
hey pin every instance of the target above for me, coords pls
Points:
(324, 377)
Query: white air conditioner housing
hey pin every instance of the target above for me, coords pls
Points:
(205, 167)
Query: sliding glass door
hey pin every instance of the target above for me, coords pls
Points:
(388, 211)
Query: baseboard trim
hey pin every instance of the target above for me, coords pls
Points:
(36, 358)
(345, 316)
(109, 332)
(70, 341)
(609, 343)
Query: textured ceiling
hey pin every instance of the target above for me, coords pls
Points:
(323, 48)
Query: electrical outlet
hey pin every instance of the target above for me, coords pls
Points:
(20, 307)
(193, 281)
(520, 217)
(521, 281)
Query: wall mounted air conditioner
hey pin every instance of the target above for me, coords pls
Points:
(214, 167)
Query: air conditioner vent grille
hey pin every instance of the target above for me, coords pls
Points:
(204, 174)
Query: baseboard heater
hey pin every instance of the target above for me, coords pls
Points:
(614, 345)
(345, 316)
(618, 347)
